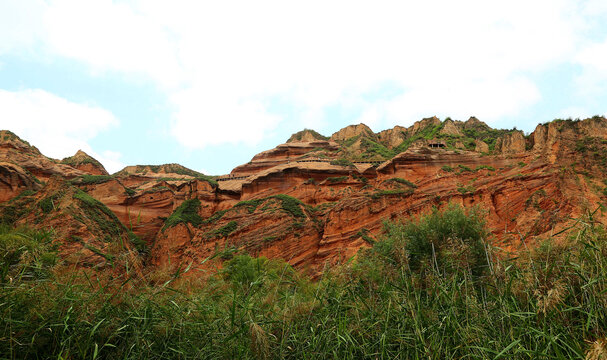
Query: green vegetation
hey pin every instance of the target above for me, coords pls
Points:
(215, 217)
(91, 179)
(210, 179)
(227, 229)
(397, 192)
(299, 135)
(486, 167)
(522, 164)
(129, 192)
(72, 161)
(108, 257)
(310, 181)
(375, 150)
(342, 162)
(360, 178)
(99, 213)
(251, 205)
(447, 168)
(187, 212)
(466, 189)
(139, 244)
(25, 254)
(290, 204)
(349, 142)
(463, 168)
(402, 181)
(429, 288)
(336, 179)
(48, 203)
(364, 234)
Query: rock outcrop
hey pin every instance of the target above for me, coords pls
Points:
(513, 143)
(316, 203)
(82, 161)
(351, 131)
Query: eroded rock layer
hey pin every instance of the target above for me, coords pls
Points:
(316, 201)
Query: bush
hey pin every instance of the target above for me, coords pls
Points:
(25, 253)
(187, 212)
(441, 238)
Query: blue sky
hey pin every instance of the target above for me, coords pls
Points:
(210, 84)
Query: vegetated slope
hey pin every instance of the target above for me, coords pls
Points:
(428, 288)
(315, 201)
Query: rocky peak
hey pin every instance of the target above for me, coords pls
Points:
(85, 162)
(306, 135)
(450, 128)
(474, 123)
(8, 138)
(164, 170)
(351, 131)
(422, 124)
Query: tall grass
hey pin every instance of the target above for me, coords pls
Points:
(432, 288)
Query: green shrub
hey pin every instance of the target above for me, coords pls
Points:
(251, 205)
(47, 204)
(336, 179)
(444, 240)
(290, 204)
(403, 181)
(187, 212)
(447, 168)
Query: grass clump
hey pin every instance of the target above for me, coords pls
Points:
(466, 189)
(25, 254)
(227, 229)
(185, 213)
(464, 168)
(447, 168)
(337, 179)
(291, 205)
(403, 182)
(47, 204)
(397, 192)
(251, 205)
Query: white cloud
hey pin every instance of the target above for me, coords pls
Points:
(220, 63)
(55, 125)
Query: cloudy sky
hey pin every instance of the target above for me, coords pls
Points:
(210, 83)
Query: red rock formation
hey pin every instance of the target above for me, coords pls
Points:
(313, 211)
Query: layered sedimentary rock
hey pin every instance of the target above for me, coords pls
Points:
(316, 203)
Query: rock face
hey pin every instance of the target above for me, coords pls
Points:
(17, 151)
(393, 137)
(315, 203)
(513, 143)
(449, 128)
(481, 146)
(14, 180)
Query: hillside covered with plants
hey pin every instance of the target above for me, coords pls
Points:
(431, 287)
